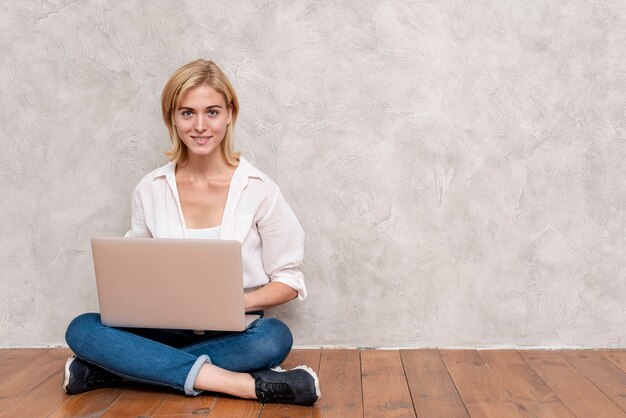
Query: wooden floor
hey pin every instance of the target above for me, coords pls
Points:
(355, 383)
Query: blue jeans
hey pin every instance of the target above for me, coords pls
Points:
(174, 357)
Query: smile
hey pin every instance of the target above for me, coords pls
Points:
(201, 139)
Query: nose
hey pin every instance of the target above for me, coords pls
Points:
(201, 124)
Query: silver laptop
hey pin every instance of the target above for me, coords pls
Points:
(170, 283)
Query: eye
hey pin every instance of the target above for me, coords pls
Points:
(213, 112)
(186, 113)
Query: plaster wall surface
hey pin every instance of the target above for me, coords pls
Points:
(458, 166)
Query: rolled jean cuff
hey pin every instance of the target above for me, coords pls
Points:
(193, 374)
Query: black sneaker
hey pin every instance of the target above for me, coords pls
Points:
(298, 386)
(81, 376)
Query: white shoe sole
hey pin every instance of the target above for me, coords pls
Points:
(66, 379)
(318, 391)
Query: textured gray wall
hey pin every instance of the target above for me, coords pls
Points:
(458, 166)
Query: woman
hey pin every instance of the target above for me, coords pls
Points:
(206, 191)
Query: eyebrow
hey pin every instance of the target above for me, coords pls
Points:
(191, 108)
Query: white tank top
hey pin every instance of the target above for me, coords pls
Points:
(204, 233)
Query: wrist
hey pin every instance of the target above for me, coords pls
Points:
(248, 302)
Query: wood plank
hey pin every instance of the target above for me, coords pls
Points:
(574, 390)
(385, 389)
(89, 404)
(601, 372)
(38, 367)
(617, 357)
(14, 353)
(432, 389)
(310, 358)
(180, 405)
(228, 407)
(12, 362)
(523, 384)
(5, 403)
(539, 383)
(138, 400)
(340, 378)
(10, 357)
(479, 388)
(41, 401)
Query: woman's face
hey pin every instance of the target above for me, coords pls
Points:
(201, 120)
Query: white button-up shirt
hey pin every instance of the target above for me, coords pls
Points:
(256, 214)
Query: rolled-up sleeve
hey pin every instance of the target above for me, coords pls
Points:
(283, 244)
(138, 227)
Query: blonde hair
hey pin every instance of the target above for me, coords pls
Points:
(195, 74)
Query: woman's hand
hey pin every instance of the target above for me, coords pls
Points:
(270, 295)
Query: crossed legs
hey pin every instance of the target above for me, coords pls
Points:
(218, 362)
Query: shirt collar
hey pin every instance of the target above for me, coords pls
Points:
(167, 170)
(247, 170)
(244, 171)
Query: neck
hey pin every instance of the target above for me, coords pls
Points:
(206, 167)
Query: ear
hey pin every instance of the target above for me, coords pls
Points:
(230, 113)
